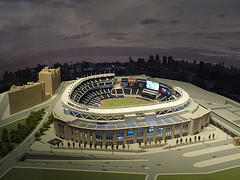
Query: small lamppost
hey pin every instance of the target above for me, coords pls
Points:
(50, 145)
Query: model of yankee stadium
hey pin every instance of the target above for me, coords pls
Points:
(105, 109)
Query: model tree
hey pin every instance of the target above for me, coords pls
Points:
(41, 130)
(3, 150)
(37, 135)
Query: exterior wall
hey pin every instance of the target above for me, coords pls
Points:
(52, 79)
(26, 96)
(159, 132)
(199, 123)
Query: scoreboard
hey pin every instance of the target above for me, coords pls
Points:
(143, 83)
(152, 85)
(133, 82)
(124, 82)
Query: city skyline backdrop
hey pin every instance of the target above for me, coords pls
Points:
(45, 32)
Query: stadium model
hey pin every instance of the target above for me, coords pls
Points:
(141, 109)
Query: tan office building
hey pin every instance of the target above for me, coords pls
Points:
(52, 79)
(26, 96)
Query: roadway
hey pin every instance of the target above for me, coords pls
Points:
(161, 162)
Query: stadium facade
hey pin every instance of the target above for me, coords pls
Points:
(170, 113)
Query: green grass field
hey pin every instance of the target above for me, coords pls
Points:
(232, 174)
(47, 174)
(122, 102)
(47, 107)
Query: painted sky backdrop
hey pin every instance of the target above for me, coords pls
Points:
(34, 31)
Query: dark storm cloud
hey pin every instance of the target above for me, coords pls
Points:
(230, 35)
(60, 3)
(150, 21)
(215, 37)
(9, 1)
(26, 27)
(201, 34)
(175, 21)
(82, 1)
(20, 28)
(66, 3)
(120, 38)
(219, 35)
(115, 34)
(204, 28)
(236, 48)
(169, 34)
(3, 32)
(236, 33)
(78, 36)
(221, 15)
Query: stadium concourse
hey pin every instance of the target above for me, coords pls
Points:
(169, 112)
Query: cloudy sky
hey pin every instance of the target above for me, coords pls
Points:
(28, 27)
